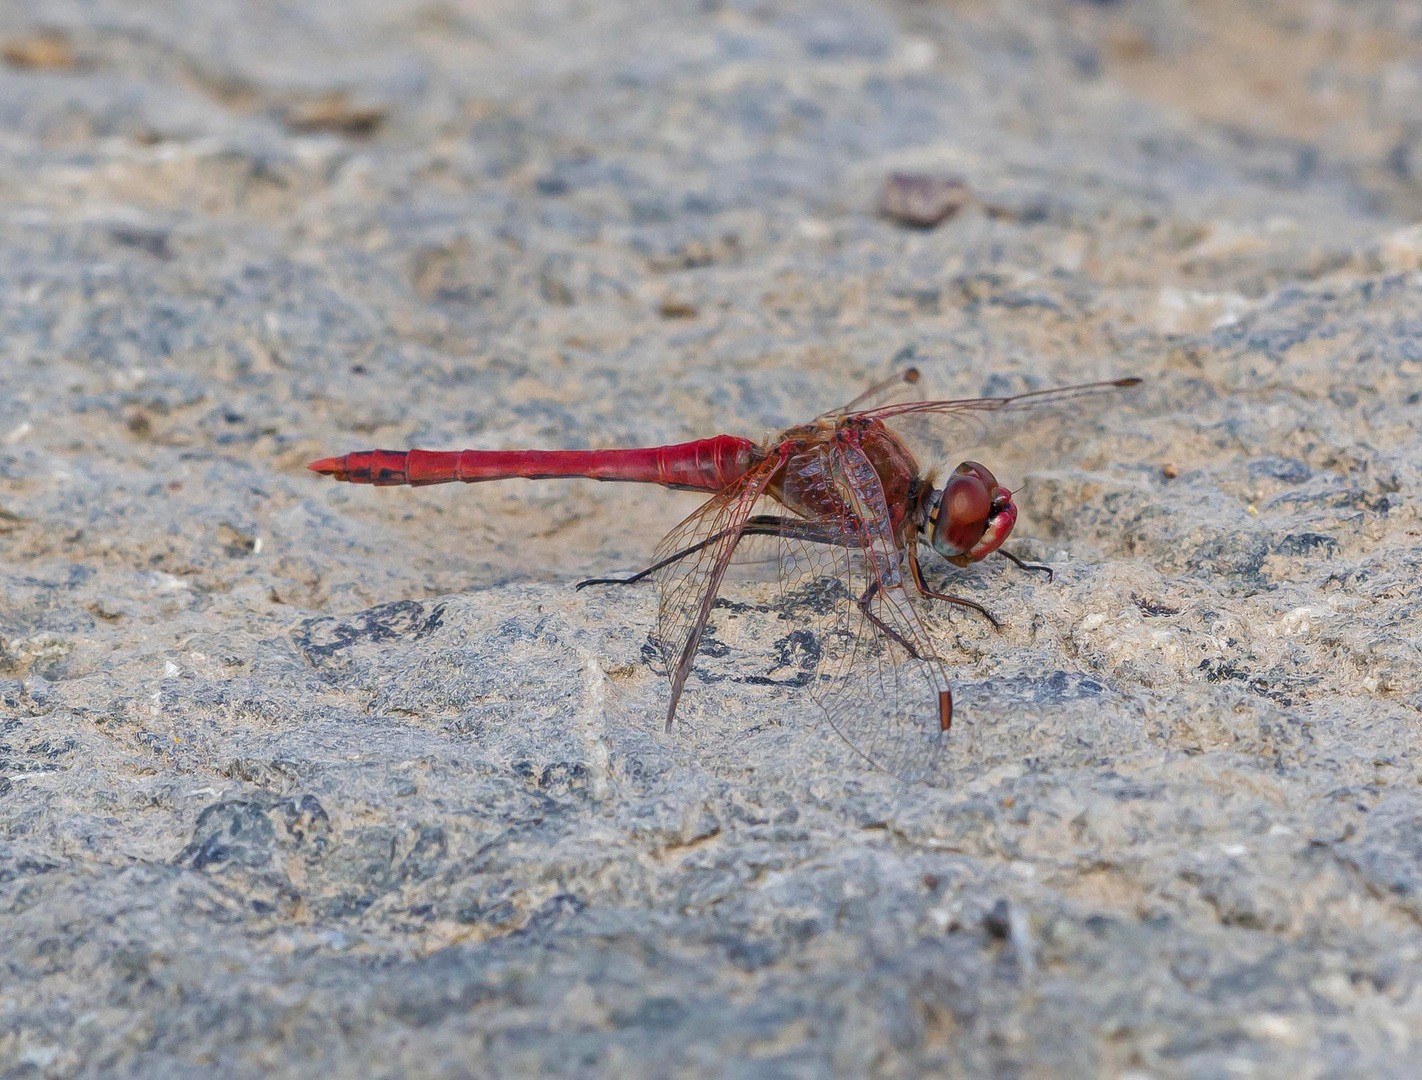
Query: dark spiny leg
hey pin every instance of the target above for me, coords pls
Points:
(885, 628)
(640, 574)
(1022, 565)
(945, 697)
(760, 525)
(934, 594)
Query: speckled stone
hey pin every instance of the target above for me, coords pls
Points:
(301, 779)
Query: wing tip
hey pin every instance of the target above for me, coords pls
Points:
(945, 710)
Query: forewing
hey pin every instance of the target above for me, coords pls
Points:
(875, 674)
(933, 430)
(688, 586)
(1013, 403)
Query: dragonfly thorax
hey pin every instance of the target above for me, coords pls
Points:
(969, 517)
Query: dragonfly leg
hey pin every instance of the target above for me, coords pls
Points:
(949, 598)
(1022, 564)
(640, 574)
(760, 525)
(888, 630)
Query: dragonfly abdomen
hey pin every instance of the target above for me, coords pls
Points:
(700, 465)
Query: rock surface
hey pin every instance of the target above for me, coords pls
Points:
(299, 779)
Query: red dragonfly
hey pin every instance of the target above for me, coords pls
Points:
(854, 509)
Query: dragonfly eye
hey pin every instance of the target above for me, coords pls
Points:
(973, 468)
(974, 515)
(963, 511)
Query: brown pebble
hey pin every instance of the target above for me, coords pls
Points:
(678, 309)
(50, 49)
(1169, 471)
(921, 200)
(335, 113)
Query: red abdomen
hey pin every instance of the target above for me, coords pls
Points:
(702, 465)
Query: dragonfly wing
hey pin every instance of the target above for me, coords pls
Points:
(688, 586)
(875, 673)
(1014, 403)
(934, 429)
(902, 386)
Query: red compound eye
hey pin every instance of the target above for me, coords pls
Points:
(962, 515)
(973, 468)
(975, 515)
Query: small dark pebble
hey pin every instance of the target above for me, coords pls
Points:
(998, 921)
(1153, 609)
(920, 200)
(678, 309)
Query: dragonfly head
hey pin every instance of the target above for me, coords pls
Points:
(971, 516)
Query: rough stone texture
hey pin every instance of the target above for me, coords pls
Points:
(299, 779)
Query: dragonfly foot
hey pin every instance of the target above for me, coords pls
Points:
(1022, 564)
(608, 581)
(963, 601)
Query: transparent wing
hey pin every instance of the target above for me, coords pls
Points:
(874, 670)
(688, 586)
(900, 387)
(1031, 399)
(933, 430)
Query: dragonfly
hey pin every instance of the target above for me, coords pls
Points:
(847, 508)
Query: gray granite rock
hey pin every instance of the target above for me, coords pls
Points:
(304, 779)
